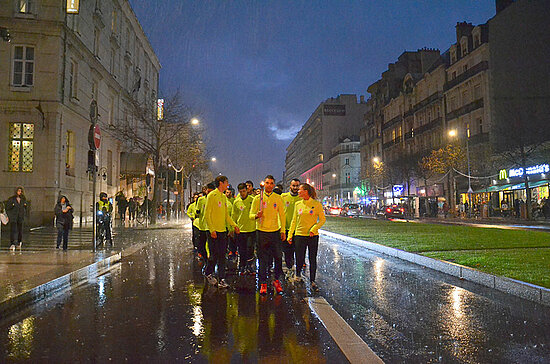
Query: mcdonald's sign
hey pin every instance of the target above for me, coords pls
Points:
(502, 174)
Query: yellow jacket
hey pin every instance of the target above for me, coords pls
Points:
(199, 210)
(308, 217)
(241, 214)
(289, 201)
(191, 210)
(216, 213)
(273, 218)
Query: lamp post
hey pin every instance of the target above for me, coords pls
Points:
(453, 133)
(378, 165)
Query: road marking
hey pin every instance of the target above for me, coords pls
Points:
(352, 346)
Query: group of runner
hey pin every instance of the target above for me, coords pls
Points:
(257, 225)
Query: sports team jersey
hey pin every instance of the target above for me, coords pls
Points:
(241, 214)
(216, 213)
(304, 221)
(289, 201)
(199, 211)
(273, 218)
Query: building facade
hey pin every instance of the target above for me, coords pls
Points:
(55, 65)
(342, 174)
(332, 121)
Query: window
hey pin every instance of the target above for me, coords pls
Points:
(465, 68)
(97, 35)
(453, 76)
(348, 178)
(23, 66)
(465, 97)
(480, 125)
(95, 91)
(113, 21)
(73, 80)
(112, 62)
(109, 167)
(452, 103)
(21, 147)
(347, 161)
(74, 22)
(477, 92)
(25, 6)
(477, 41)
(393, 134)
(464, 48)
(112, 111)
(70, 152)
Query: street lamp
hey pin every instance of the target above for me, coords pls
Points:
(195, 121)
(213, 159)
(452, 134)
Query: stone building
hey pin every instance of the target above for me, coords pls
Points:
(332, 121)
(341, 173)
(56, 64)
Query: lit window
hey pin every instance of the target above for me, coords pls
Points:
(24, 6)
(21, 147)
(23, 66)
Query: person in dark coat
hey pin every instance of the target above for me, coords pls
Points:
(63, 220)
(16, 207)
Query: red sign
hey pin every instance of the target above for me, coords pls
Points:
(97, 136)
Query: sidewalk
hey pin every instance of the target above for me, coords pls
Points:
(38, 270)
(501, 223)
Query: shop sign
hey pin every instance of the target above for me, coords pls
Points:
(160, 109)
(397, 190)
(519, 172)
(334, 110)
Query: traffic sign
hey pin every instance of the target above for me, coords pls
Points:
(97, 136)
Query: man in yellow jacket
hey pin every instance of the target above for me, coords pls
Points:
(246, 239)
(191, 214)
(268, 210)
(201, 222)
(290, 198)
(217, 219)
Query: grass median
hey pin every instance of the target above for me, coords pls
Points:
(518, 254)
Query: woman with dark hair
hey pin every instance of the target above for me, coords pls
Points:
(16, 207)
(304, 231)
(63, 221)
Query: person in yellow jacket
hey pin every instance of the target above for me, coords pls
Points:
(304, 231)
(231, 239)
(191, 214)
(290, 198)
(201, 224)
(268, 210)
(246, 239)
(217, 219)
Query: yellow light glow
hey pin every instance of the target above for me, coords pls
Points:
(452, 133)
(376, 160)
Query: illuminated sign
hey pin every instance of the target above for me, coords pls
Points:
(397, 190)
(73, 6)
(160, 109)
(519, 172)
(502, 174)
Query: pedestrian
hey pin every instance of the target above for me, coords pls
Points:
(231, 241)
(517, 204)
(218, 219)
(290, 198)
(63, 221)
(16, 207)
(122, 205)
(202, 224)
(246, 238)
(191, 214)
(546, 208)
(304, 231)
(446, 209)
(132, 207)
(268, 210)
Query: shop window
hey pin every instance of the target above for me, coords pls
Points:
(21, 147)
(23, 66)
(70, 153)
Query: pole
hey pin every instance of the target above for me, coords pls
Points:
(94, 180)
(469, 175)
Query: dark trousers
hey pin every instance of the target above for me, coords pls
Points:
(216, 254)
(269, 249)
(245, 244)
(63, 234)
(195, 237)
(201, 243)
(16, 232)
(312, 245)
(288, 251)
(232, 243)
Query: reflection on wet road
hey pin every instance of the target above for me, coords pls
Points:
(154, 307)
(407, 313)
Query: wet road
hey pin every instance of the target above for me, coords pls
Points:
(407, 313)
(154, 307)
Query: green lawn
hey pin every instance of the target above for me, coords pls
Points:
(523, 255)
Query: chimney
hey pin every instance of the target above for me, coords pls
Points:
(362, 99)
(462, 29)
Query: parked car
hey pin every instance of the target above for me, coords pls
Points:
(333, 210)
(394, 211)
(351, 209)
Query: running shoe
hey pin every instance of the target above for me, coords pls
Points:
(223, 284)
(278, 286)
(263, 288)
(211, 279)
(314, 286)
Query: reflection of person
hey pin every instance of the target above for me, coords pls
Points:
(218, 219)
(63, 221)
(106, 208)
(16, 207)
(271, 230)
(304, 230)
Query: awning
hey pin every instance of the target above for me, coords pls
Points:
(494, 188)
(133, 163)
(517, 186)
(539, 183)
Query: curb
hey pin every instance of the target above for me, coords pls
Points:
(507, 285)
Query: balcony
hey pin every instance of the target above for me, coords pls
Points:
(474, 105)
(392, 122)
(481, 66)
(390, 144)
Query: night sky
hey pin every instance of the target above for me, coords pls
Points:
(256, 70)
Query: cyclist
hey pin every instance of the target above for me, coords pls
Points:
(104, 210)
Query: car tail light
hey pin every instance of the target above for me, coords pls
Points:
(388, 210)
(402, 209)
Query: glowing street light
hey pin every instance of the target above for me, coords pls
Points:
(452, 133)
(213, 159)
(334, 175)
(376, 160)
(195, 121)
